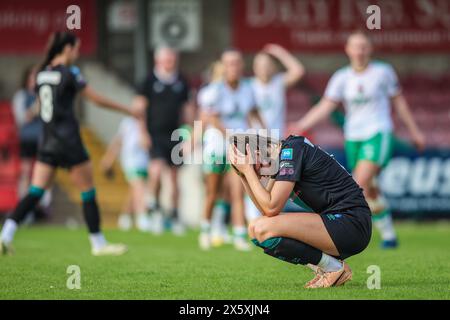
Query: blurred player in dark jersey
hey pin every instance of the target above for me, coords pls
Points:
(60, 145)
(162, 97)
(338, 224)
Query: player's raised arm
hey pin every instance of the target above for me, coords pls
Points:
(269, 186)
(104, 102)
(294, 68)
(111, 154)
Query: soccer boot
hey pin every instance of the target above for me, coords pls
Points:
(110, 249)
(334, 278)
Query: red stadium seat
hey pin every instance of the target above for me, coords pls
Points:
(9, 159)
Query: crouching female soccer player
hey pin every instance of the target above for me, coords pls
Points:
(339, 225)
(58, 83)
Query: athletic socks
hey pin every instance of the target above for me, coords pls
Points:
(92, 218)
(205, 226)
(174, 214)
(8, 231)
(218, 225)
(239, 232)
(383, 222)
(97, 240)
(290, 250)
(329, 264)
(25, 205)
(153, 204)
(90, 211)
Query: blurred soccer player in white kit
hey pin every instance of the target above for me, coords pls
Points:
(134, 160)
(226, 104)
(214, 211)
(367, 89)
(269, 88)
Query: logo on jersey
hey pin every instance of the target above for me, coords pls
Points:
(332, 217)
(286, 168)
(286, 154)
(286, 165)
(158, 87)
(177, 87)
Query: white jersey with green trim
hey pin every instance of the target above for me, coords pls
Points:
(366, 98)
(233, 105)
(213, 139)
(271, 101)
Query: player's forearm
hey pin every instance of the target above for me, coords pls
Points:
(254, 115)
(214, 120)
(250, 193)
(405, 115)
(294, 70)
(111, 153)
(314, 116)
(261, 195)
(109, 104)
(105, 102)
(291, 63)
(270, 185)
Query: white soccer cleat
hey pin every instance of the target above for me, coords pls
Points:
(6, 248)
(217, 240)
(110, 249)
(204, 241)
(125, 223)
(241, 244)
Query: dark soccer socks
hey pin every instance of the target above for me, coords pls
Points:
(27, 204)
(90, 210)
(290, 250)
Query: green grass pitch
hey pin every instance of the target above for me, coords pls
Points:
(168, 267)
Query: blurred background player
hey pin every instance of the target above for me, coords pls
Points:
(269, 88)
(26, 115)
(134, 161)
(58, 83)
(164, 95)
(367, 89)
(216, 206)
(232, 106)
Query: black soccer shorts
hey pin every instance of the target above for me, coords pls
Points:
(350, 231)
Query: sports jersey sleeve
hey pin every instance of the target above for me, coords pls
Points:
(79, 81)
(393, 86)
(291, 162)
(335, 87)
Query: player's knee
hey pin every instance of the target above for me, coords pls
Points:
(262, 229)
(251, 229)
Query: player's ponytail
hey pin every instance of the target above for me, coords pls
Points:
(56, 45)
